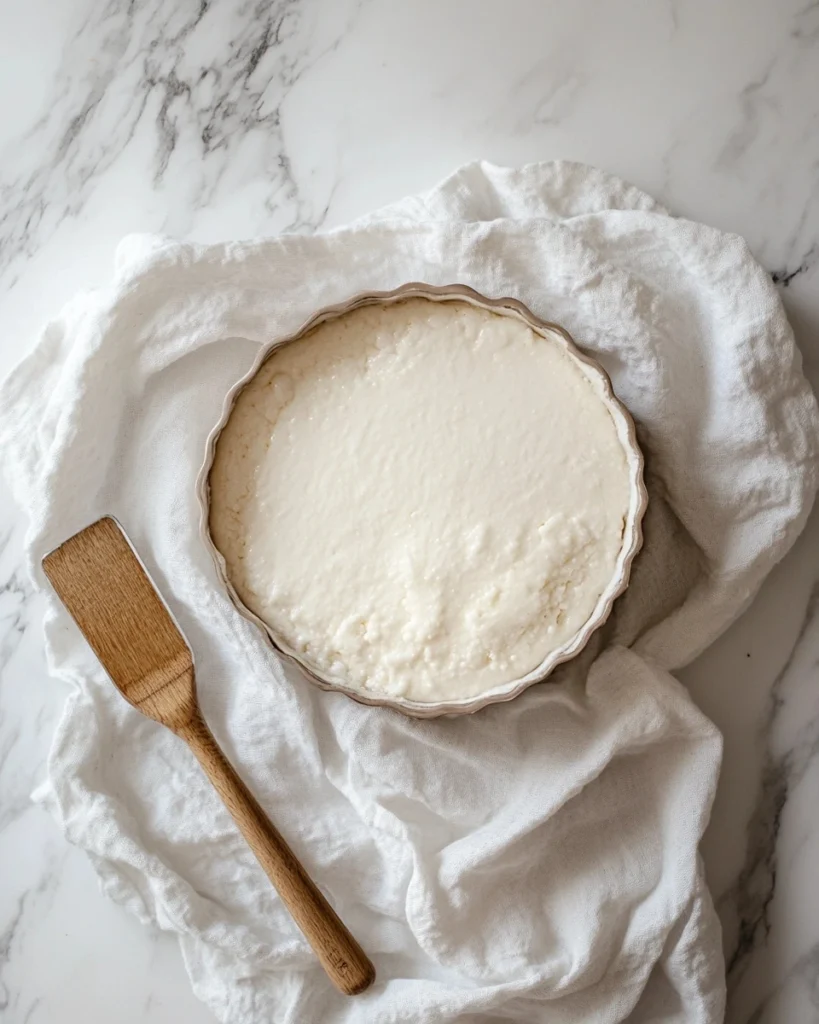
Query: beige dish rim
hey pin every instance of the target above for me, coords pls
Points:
(632, 531)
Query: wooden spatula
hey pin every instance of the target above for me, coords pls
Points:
(104, 586)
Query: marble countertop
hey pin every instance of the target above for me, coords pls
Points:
(215, 119)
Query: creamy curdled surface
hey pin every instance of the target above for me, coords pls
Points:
(421, 499)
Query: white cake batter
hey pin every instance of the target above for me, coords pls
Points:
(421, 499)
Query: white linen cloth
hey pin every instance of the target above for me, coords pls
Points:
(538, 860)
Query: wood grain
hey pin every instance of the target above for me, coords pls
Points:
(104, 586)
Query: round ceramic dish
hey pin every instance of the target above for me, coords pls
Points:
(632, 533)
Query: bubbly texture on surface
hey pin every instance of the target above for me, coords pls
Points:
(421, 499)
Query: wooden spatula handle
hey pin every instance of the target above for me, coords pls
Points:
(341, 956)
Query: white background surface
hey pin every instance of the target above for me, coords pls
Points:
(219, 120)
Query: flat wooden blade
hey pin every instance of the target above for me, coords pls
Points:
(105, 588)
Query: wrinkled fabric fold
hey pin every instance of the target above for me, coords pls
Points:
(536, 861)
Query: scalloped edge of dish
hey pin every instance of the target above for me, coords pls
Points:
(632, 527)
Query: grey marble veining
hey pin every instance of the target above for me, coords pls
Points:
(789, 733)
(216, 119)
(193, 82)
